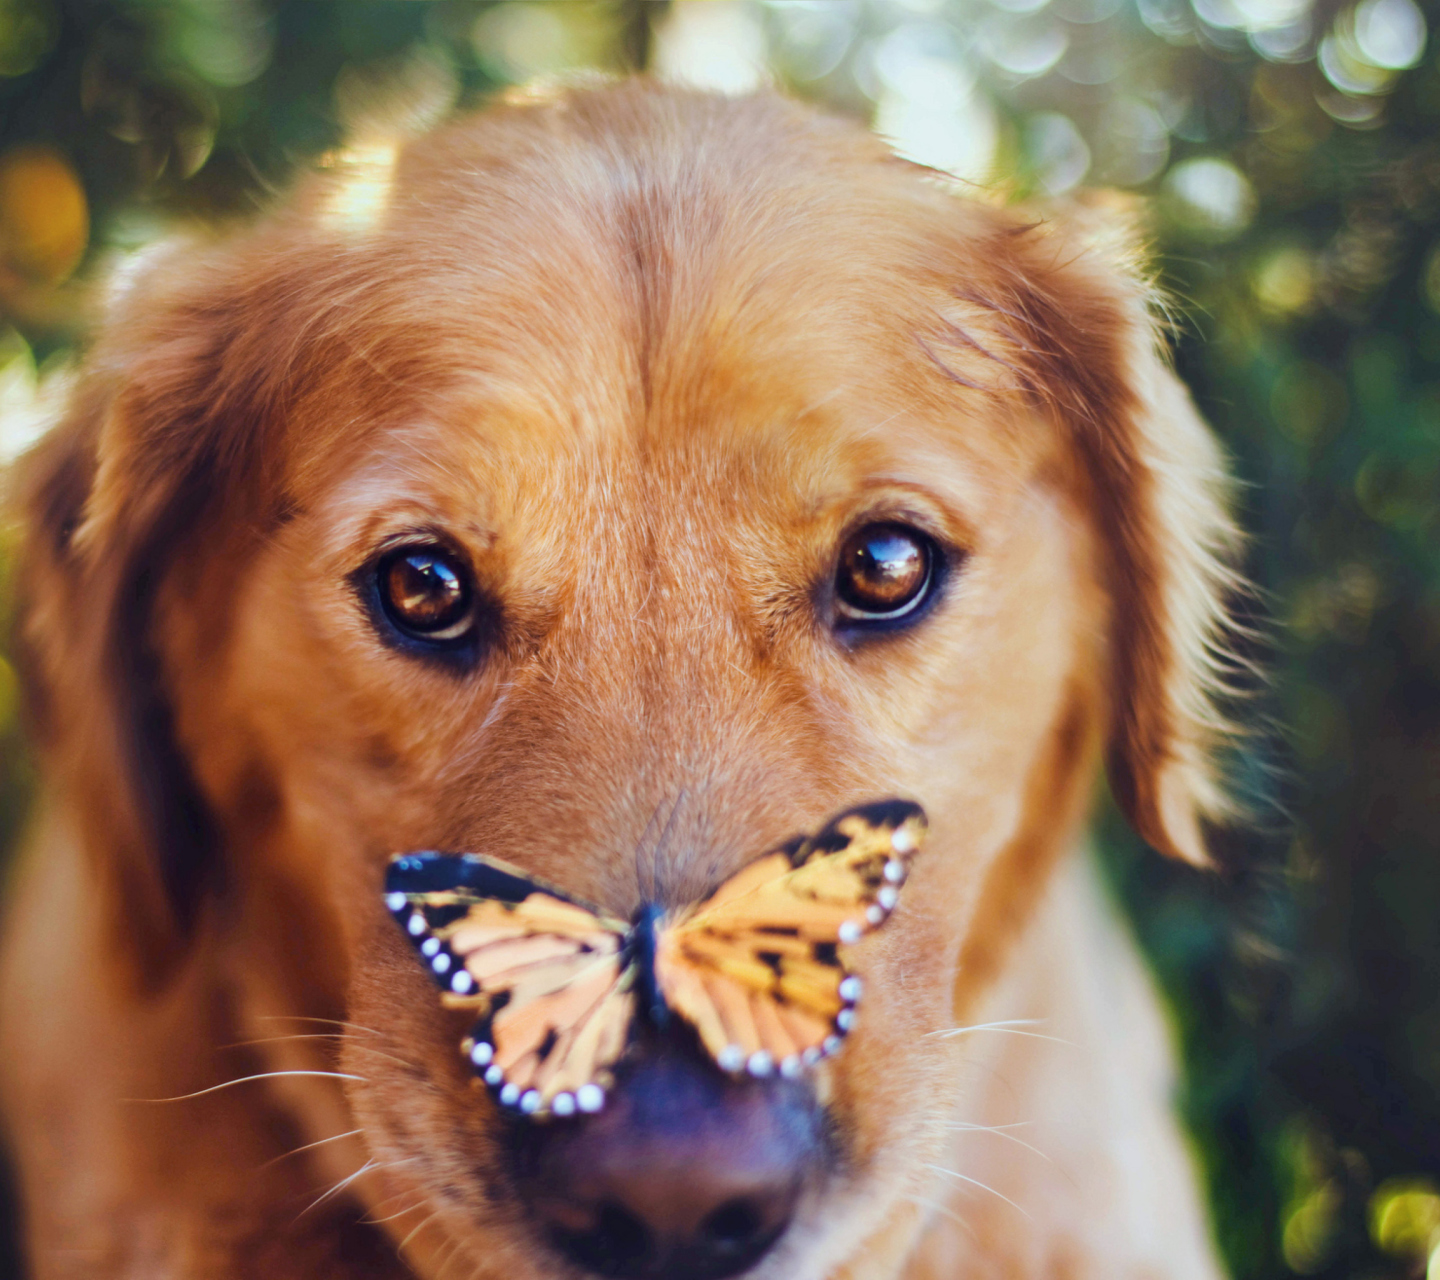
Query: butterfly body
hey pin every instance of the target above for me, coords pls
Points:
(561, 989)
(644, 934)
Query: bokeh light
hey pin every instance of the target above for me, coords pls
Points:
(712, 44)
(1209, 197)
(1405, 1220)
(928, 103)
(27, 32)
(44, 217)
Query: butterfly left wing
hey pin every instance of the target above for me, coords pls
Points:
(550, 979)
(756, 968)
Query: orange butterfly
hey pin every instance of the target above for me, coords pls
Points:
(755, 968)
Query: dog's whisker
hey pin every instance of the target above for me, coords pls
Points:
(416, 1229)
(454, 1253)
(305, 1035)
(1000, 1132)
(987, 1128)
(975, 1182)
(373, 1165)
(399, 1213)
(339, 1187)
(310, 1146)
(263, 1075)
(979, 1026)
(333, 1022)
(359, 1046)
(935, 1206)
(1010, 1027)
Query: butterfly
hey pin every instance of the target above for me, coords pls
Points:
(559, 986)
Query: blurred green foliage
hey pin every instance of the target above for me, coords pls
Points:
(1292, 150)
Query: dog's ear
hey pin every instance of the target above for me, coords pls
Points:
(108, 499)
(1084, 328)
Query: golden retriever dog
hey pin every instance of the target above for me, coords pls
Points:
(617, 484)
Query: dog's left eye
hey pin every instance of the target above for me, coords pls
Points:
(426, 593)
(886, 574)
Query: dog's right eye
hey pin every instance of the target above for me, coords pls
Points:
(886, 576)
(427, 594)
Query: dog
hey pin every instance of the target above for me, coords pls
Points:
(616, 483)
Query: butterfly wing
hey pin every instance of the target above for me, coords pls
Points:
(550, 979)
(756, 968)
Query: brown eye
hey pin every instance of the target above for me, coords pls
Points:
(426, 593)
(886, 573)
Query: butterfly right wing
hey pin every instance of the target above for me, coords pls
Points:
(757, 968)
(551, 980)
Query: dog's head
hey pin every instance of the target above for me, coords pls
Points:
(619, 485)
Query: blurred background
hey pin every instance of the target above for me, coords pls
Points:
(1289, 152)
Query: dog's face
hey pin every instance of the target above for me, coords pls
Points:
(651, 479)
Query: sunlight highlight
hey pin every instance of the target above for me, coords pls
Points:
(364, 178)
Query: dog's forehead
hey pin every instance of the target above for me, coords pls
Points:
(600, 312)
(492, 473)
(761, 413)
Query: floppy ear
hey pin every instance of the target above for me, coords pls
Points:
(107, 499)
(1074, 304)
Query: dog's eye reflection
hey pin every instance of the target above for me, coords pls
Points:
(426, 593)
(886, 573)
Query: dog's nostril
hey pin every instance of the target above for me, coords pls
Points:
(608, 1240)
(738, 1223)
(623, 1235)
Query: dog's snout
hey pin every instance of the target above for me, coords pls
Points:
(684, 1175)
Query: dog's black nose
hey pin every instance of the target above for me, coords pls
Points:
(684, 1176)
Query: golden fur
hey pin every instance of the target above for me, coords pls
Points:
(645, 355)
